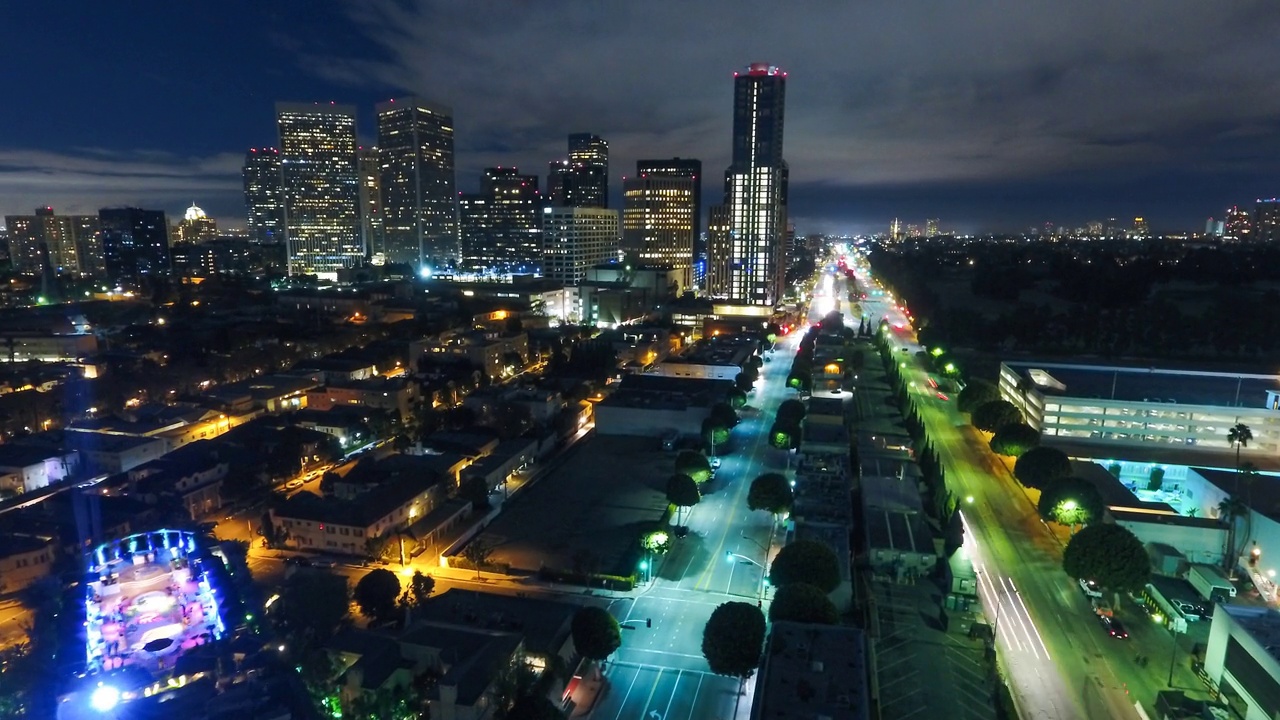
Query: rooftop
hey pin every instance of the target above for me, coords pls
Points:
(673, 392)
(544, 623)
(1147, 384)
(1261, 623)
(17, 544)
(813, 671)
(1114, 493)
(368, 508)
(1263, 494)
(21, 456)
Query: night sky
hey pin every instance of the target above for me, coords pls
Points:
(990, 116)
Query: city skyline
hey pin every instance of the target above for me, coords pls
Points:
(1001, 124)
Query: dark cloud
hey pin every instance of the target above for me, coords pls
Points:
(894, 106)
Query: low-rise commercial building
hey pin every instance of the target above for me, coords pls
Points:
(1147, 414)
(654, 406)
(24, 559)
(393, 395)
(898, 540)
(813, 671)
(1243, 659)
(345, 526)
(498, 355)
(25, 469)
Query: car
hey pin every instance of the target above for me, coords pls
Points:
(942, 397)
(293, 485)
(681, 531)
(715, 463)
(1114, 627)
(1090, 588)
(326, 564)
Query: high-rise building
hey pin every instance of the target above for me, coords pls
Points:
(369, 165)
(196, 226)
(1140, 227)
(1266, 220)
(419, 200)
(931, 227)
(719, 251)
(574, 239)
(557, 183)
(658, 220)
(35, 240)
(587, 183)
(262, 195)
(895, 230)
(501, 226)
(1094, 228)
(321, 187)
(756, 190)
(685, 168)
(135, 242)
(87, 230)
(1238, 224)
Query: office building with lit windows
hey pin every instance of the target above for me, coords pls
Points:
(1147, 414)
(419, 199)
(263, 197)
(1238, 224)
(196, 226)
(658, 218)
(575, 239)
(369, 165)
(1266, 220)
(69, 243)
(134, 242)
(501, 226)
(320, 185)
(755, 192)
(588, 181)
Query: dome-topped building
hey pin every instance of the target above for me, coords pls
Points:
(196, 226)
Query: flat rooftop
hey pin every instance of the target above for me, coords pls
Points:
(813, 671)
(1133, 384)
(1262, 623)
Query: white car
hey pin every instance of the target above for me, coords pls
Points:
(1090, 588)
(293, 485)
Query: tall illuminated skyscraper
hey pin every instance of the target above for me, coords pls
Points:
(1266, 220)
(419, 200)
(501, 226)
(135, 242)
(685, 168)
(321, 187)
(368, 162)
(262, 195)
(588, 182)
(755, 191)
(1238, 224)
(575, 239)
(658, 218)
(35, 239)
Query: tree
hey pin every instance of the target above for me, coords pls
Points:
(682, 492)
(477, 553)
(993, 415)
(1071, 501)
(1231, 509)
(806, 561)
(784, 437)
(802, 602)
(722, 414)
(1014, 439)
(715, 433)
(419, 591)
(737, 398)
(596, 633)
(476, 491)
(1240, 435)
(694, 464)
(791, 413)
(733, 639)
(1109, 555)
(742, 382)
(376, 594)
(771, 492)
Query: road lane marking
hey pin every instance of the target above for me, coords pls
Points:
(653, 690)
(623, 705)
(671, 698)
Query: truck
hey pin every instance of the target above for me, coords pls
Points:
(1210, 583)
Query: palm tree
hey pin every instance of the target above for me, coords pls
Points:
(1229, 510)
(1240, 436)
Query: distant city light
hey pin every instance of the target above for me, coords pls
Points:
(425, 272)
(104, 699)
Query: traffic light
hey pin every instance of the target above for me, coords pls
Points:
(648, 622)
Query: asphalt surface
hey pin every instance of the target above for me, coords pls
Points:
(1059, 661)
(659, 673)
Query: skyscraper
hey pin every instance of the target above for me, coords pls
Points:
(87, 230)
(369, 164)
(419, 202)
(40, 238)
(931, 227)
(1238, 224)
(320, 187)
(686, 168)
(196, 226)
(755, 190)
(658, 218)
(557, 183)
(719, 251)
(574, 239)
(1266, 220)
(501, 226)
(1140, 227)
(262, 195)
(587, 184)
(135, 242)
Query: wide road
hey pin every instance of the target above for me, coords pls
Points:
(660, 673)
(1059, 662)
